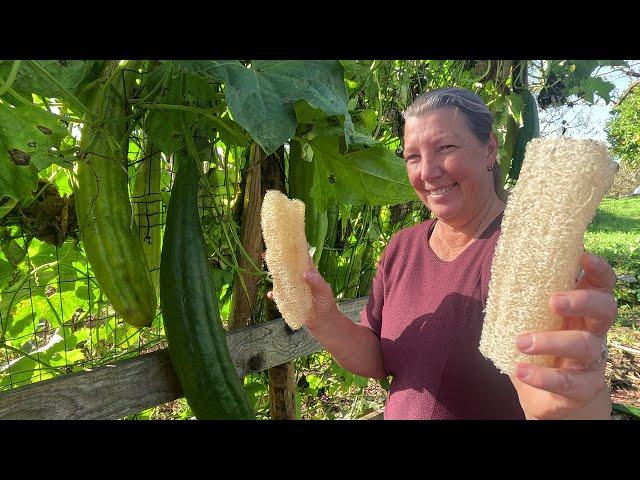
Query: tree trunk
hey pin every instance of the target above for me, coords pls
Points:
(244, 301)
(282, 389)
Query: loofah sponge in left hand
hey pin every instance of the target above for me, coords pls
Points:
(287, 256)
(538, 252)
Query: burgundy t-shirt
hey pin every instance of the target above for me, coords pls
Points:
(428, 314)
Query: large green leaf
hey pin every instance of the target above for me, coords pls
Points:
(375, 175)
(595, 85)
(301, 173)
(29, 134)
(29, 142)
(16, 181)
(262, 97)
(48, 78)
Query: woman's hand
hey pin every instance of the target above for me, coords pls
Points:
(575, 387)
(323, 299)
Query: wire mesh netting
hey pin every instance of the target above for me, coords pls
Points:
(55, 320)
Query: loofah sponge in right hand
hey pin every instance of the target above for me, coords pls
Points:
(287, 256)
(538, 252)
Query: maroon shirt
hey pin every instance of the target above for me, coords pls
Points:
(428, 314)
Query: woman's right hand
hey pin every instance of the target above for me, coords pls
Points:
(323, 299)
(355, 347)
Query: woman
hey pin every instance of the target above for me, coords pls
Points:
(423, 321)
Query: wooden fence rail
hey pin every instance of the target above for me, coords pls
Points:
(130, 386)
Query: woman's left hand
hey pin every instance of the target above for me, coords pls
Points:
(575, 387)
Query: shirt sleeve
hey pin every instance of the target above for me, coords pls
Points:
(371, 315)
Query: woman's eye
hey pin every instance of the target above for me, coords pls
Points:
(445, 147)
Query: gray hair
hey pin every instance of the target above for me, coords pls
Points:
(476, 114)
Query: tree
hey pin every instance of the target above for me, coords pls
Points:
(623, 130)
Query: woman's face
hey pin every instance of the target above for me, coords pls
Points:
(447, 165)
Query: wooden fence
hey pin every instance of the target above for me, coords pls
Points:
(130, 386)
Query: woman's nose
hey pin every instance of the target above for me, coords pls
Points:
(429, 169)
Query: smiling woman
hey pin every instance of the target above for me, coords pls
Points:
(450, 152)
(424, 317)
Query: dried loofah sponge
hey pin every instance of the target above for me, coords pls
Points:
(287, 256)
(538, 253)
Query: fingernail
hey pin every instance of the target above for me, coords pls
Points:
(524, 342)
(561, 302)
(522, 372)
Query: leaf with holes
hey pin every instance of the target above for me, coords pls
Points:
(29, 141)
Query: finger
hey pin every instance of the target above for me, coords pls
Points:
(319, 286)
(576, 385)
(577, 345)
(598, 307)
(596, 273)
(270, 295)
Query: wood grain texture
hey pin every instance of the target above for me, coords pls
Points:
(107, 392)
(243, 307)
(130, 386)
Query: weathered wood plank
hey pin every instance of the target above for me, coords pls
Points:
(127, 387)
(375, 415)
(263, 346)
(107, 392)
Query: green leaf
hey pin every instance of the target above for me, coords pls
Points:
(262, 98)
(305, 113)
(164, 126)
(375, 176)
(19, 373)
(598, 86)
(54, 293)
(314, 381)
(583, 68)
(33, 132)
(222, 277)
(514, 105)
(369, 120)
(627, 410)
(27, 137)
(17, 182)
(13, 252)
(6, 203)
(360, 381)
(67, 73)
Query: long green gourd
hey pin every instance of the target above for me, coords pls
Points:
(195, 336)
(108, 230)
(147, 211)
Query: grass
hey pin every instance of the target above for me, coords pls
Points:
(615, 234)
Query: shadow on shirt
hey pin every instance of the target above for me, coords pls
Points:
(437, 357)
